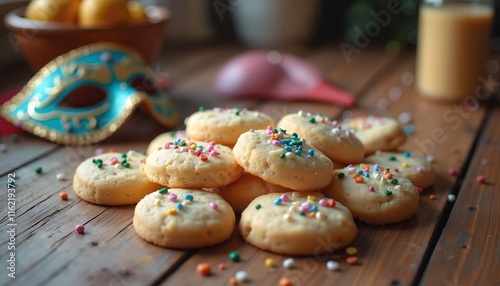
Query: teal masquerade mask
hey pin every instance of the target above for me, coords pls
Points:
(112, 80)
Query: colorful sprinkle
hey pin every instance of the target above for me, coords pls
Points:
(284, 198)
(394, 181)
(388, 193)
(392, 158)
(269, 262)
(63, 196)
(407, 154)
(371, 189)
(221, 266)
(241, 276)
(409, 129)
(172, 197)
(451, 197)
(80, 228)
(38, 170)
(351, 250)
(126, 165)
(214, 205)
(331, 203)
(452, 172)
(179, 206)
(234, 256)
(352, 260)
(320, 216)
(340, 175)
(359, 179)
(481, 179)
(285, 282)
(310, 152)
(258, 206)
(61, 177)
(204, 269)
(432, 197)
(419, 169)
(172, 211)
(163, 191)
(311, 198)
(98, 163)
(323, 202)
(332, 265)
(277, 201)
(289, 263)
(189, 197)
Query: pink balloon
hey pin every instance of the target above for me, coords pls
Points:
(270, 74)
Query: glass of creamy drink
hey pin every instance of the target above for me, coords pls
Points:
(453, 47)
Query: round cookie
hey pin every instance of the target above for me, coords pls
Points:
(297, 224)
(376, 133)
(283, 159)
(163, 138)
(326, 135)
(224, 125)
(374, 195)
(113, 179)
(183, 219)
(194, 164)
(413, 167)
(240, 193)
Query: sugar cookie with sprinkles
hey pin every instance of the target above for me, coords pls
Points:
(240, 193)
(183, 218)
(336, 143)
(376, 133)
(113, 179)
(283, 159)
(297, 223)
(160, 140)
(415, 168)
(374, 195)
(192, 164)
(224, 125)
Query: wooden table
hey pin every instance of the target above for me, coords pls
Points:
(446, 243)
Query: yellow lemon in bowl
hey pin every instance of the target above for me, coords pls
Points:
(103, 13)
(53, 10)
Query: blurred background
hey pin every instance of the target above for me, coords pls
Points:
(391, 24)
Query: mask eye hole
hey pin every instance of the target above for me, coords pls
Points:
(84, 96)
(145, 84)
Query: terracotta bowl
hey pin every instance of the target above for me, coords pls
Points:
(41, 42)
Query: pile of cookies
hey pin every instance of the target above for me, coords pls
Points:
(296, 183)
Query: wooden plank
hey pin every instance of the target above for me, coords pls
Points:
(19, 153)
(49, 250)
(468, 251)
